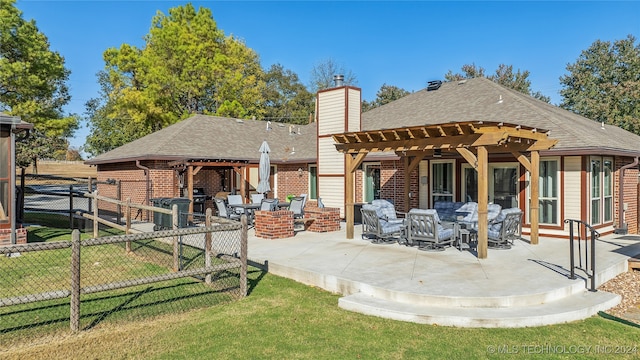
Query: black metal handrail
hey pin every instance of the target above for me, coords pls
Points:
(587, 233)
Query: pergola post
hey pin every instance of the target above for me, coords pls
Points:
(190, 187)
(407, 183)
(483, 202)
(349, 194)
(534, 206)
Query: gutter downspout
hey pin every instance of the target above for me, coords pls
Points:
(621, 193)
(146, 174)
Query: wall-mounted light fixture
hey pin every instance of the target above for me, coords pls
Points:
(300, 172)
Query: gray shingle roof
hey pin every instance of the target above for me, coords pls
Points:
(481, 99)
(203, 137)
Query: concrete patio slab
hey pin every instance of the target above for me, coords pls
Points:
(526, 285)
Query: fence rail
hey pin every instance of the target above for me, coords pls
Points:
(170, 270)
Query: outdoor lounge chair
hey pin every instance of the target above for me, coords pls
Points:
(223, 211)
(505, 228)
(423, 228)
(377, 227)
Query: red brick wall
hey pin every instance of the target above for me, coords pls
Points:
(630, 193)
(5, 236)
(392, 179)
(274, 224)
(291, 181)
(326, 219)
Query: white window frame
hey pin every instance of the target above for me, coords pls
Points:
(541, 198)
(600, 197)
(432, 163)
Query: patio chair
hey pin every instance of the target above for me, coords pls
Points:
(387, 210)
(505, 228)
(423, 228)
(269, 204)
(296, 206)
(378, 228)
(257, 198)
(233, 200)
(223, 211)
(471, 219)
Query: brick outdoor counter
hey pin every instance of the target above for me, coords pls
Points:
(274, 224)
(326, 219)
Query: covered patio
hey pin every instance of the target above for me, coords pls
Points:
(473, 141)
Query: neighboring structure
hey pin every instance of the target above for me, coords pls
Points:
(590, 174)
(9, 127)
(218, 155)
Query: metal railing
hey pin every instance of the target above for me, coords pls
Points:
(586, 253)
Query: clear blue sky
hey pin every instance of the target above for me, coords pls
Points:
(404, 44)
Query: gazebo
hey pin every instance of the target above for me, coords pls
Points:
(9, 127)
(471, 140)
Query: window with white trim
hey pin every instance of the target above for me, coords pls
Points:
(601, 190)
(548, 198)
(442, 181)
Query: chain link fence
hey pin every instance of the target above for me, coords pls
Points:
(79, 284)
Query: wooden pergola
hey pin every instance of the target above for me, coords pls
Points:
(472, 140)
(192, 166)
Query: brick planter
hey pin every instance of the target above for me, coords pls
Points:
(274, 224)
(5, 236)
(326, 219)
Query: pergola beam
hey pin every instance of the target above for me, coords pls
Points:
(413, 144)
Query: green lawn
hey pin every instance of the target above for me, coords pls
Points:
(282, 319)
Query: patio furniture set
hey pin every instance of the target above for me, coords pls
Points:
(447, 224)
(233, 207)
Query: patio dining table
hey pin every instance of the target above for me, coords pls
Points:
(250, 208)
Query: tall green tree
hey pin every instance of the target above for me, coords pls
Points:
(323, 72)
(32, 83)
(504, 76)
(187, 66)
(286, 98)
(385, 95)
(604, 84)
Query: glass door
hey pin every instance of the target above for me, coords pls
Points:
(371, 182)
(503, 185)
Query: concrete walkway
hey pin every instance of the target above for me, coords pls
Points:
(526, 285)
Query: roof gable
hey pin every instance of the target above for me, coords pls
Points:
(205, 137)
(481, 99)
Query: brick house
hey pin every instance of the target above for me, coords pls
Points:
(590, 174)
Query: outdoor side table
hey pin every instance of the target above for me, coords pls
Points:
(464, 236)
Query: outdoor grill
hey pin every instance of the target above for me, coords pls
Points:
(199, 197)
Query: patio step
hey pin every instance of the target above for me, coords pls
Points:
(571, 308)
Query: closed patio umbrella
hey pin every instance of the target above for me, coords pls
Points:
(264, 168)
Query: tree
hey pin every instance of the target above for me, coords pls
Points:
(286, 98)
(187, 66)
(604, 84)
(38, 146)
(32, 83)
(322, 75)
(504, 76)
(385, 95)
